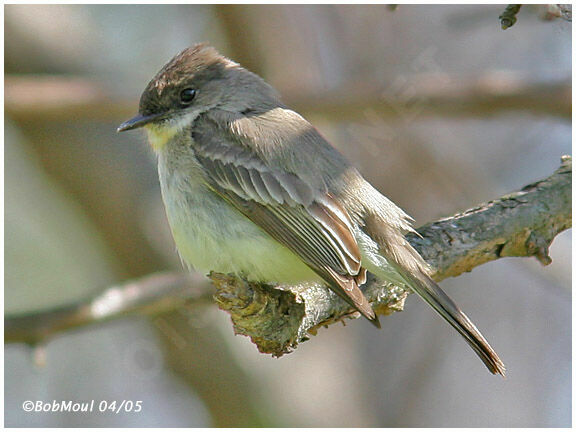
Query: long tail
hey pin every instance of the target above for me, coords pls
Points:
(429, 290)
(412, 268)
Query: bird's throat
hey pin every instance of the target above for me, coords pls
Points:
(159, 136)
(160, 133)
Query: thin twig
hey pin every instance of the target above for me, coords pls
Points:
(508, 17)
(155, 293)
(565, 11)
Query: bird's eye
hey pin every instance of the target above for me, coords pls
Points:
(187, 96)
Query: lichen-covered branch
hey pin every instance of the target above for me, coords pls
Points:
(278, 318)
(520, 224)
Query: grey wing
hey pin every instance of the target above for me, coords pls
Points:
(310, 223)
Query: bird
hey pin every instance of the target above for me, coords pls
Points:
(251, 188)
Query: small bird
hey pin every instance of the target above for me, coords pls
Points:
(252, 188)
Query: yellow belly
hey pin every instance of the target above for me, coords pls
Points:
(211, 235)
(257, 258)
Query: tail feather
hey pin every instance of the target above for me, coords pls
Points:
(428, 289)
(439, 300)
(409, 266)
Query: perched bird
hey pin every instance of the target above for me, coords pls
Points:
(251, 188)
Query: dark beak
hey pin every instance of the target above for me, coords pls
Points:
(137, 122)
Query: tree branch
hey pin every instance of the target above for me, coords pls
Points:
(565, 11)
(508, 17)
(520, 224)
(152, 294)
(63, 98)
(277, 318)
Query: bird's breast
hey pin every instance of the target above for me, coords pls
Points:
(211, 235)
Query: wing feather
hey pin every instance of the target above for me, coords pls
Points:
(311, 223)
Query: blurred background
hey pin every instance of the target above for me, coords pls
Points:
(437, 106)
